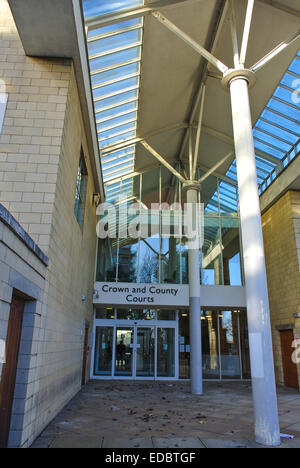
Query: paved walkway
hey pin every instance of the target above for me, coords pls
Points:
(123, 414)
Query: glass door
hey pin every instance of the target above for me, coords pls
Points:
(145, 352)
(135, 350)
(124, 352)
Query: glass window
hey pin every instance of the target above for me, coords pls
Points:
(210, 345)
(128, 263)
(166, 315)
(136, 314)
(212, 269)
(80, 190)
(229, 345)
(184, 345)
(103, 351)
(149, 260)
(245, 351)
(165, 352)
(231, 252)
(105, 313)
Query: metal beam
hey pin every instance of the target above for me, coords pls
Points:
(277, 50)
(218, 174)
(246, 33)
(133, 141)
(162, 161)
(216, 166)
(188, 40)
(198, 132)
(222, 17)
(234, 35)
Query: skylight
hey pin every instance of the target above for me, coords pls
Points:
(115, 64)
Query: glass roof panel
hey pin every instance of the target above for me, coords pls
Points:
(95, 7)
(264, 137)
(289, 80)
(119, 87)
(268, 127)
(117, 99)
(108, 134)
(119, 73)
(117, 121)
(115, 59)
(115, 55)
(285, 109)
(114, 42)
(113, 28)
(295, 66)
(121, 109)
(117, 139)
(282, 121)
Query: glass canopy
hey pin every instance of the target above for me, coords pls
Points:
(115, 65)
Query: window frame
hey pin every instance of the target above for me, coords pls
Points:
(80, 190)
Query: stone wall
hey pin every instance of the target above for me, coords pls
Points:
(281, 232)
(40, 147)
(22, 270)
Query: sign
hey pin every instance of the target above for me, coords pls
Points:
(144, 296)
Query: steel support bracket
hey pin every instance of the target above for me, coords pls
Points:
(233, 74)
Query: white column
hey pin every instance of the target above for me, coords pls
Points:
(260, 340)
(194, 288)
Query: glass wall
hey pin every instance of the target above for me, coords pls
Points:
(150, 243)
(225, 345)
(153, 342)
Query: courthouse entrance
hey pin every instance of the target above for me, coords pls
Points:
(137, 344)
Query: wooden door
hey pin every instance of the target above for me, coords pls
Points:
(289, 367)
(9, 368)
(85, 355)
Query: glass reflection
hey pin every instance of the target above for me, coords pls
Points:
(212, 271)
(154, 257)
(210, 345)
(165, 352)
(229, 345)
(231, 252)
(136, 314)
(149, 260)
(128, 264)
(103, 351)
(184, 346)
